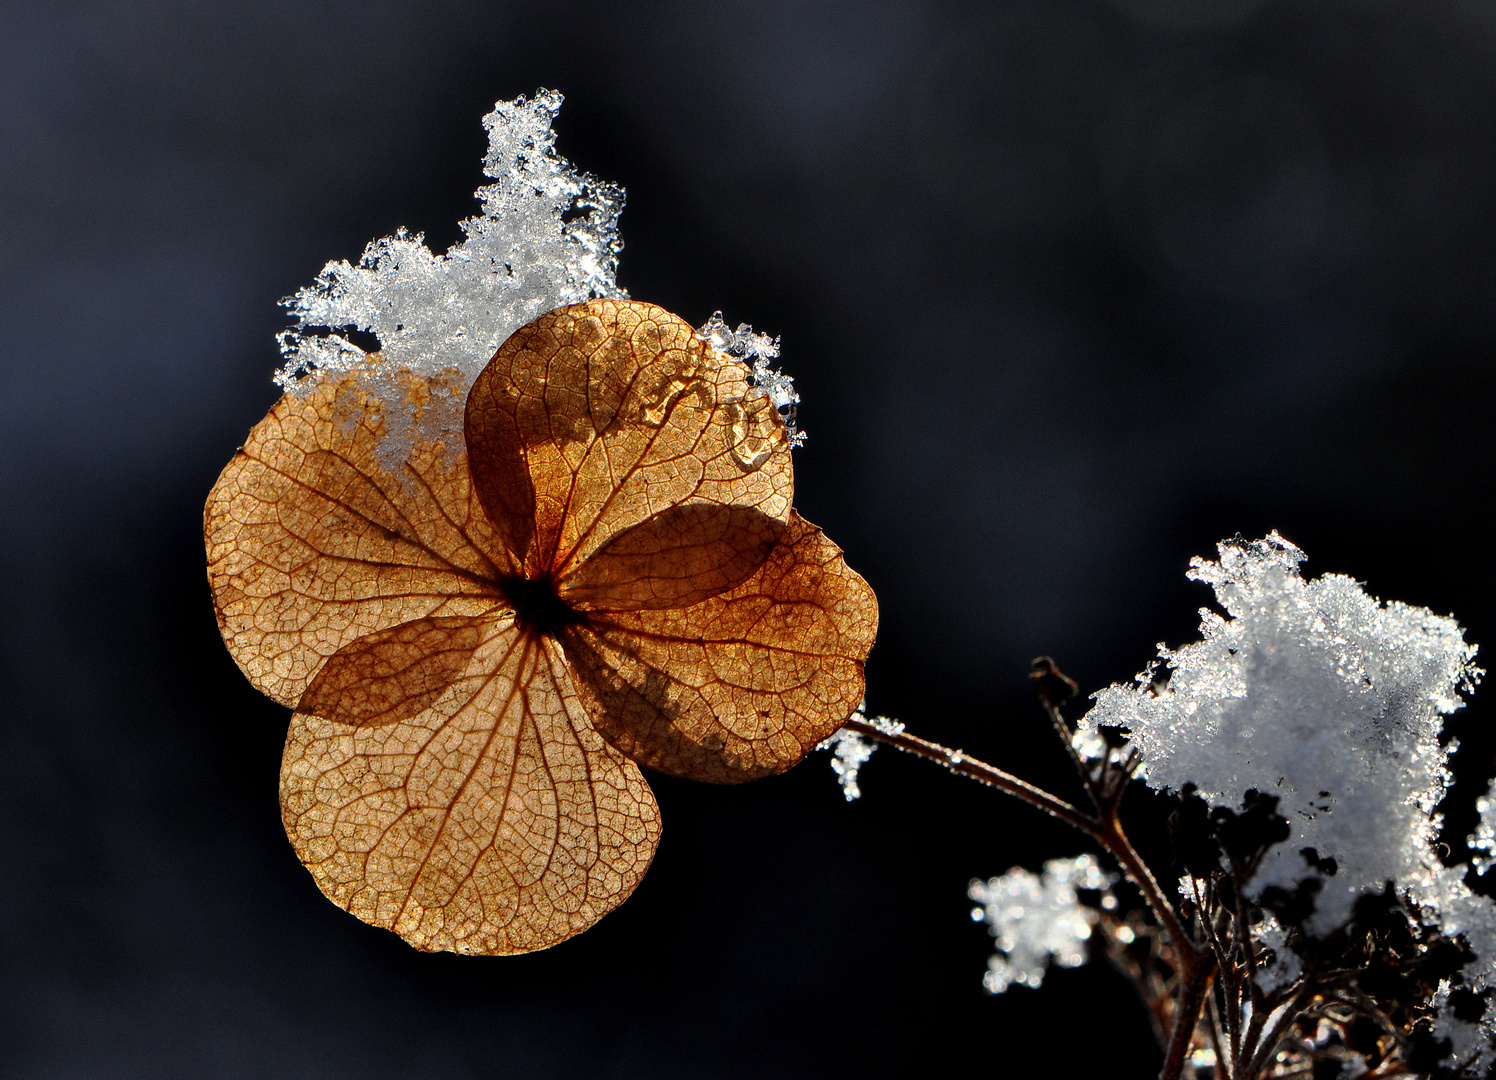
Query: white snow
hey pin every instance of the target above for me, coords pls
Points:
(1037, 919)
(443, 316)
(850, 751)
(547, 236)
(1317, 693)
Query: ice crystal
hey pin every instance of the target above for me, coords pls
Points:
(1277, 966)
(757, 350)
(1037, 919)
(850, 752)
(547, 236)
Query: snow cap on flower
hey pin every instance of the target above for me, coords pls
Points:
(547, 237)
(521, 258)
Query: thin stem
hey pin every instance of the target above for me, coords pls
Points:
(1193, 985)
(1262, 1009)
(1231, 982)
(958, 762)
(1106, 830)
(1225, 1068)
(1275, 1032)
(1062, 730)
(1195, 963)
(1115, 841)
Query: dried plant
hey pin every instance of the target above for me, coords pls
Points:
(1316, 931)
(480, 645)
(542, 535)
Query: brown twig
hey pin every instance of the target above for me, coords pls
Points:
(1276, 1031)
(1194, 983)
(1225, 1067)
(1196, 964)
(959, 762)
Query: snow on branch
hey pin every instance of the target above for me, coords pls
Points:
(851, 750)
(1315, 692)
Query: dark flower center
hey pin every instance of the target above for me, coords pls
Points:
(538, 608)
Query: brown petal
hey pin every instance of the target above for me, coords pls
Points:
(393, 674)
(313, 544)
(598, 416)
(496, 821)
(674, 559)
(743, 684)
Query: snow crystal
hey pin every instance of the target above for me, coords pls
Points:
(756, 350)
(1315, 692)
(547, 236)
(1037, 919)
(850, 752)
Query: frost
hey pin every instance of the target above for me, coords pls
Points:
(1037, 919)
(850, 752)
(1315, 692)
(547, 236)
(756, 350)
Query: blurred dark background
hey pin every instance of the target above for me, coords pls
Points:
(1072, 290)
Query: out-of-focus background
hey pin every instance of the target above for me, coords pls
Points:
(1072, 290)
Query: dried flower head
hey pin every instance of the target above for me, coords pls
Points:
(481, 642)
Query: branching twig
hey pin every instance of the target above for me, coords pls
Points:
(1195, 963)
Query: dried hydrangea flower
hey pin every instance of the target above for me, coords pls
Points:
(480, 645)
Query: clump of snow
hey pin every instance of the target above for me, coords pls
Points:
(547, 237)
(851, 749)
(757, 350)
(1444, 900)
(1037, 919)
(1317, 693)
